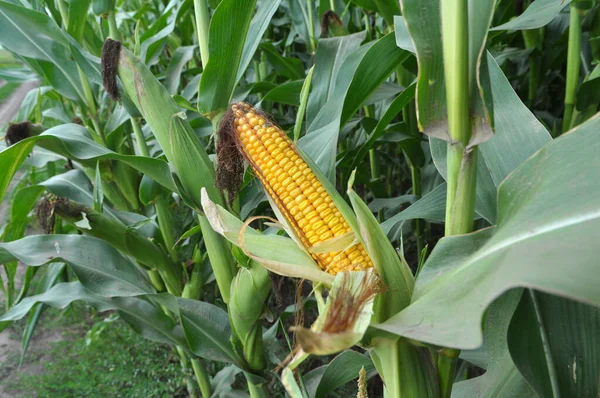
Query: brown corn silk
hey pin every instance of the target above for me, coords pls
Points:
(295, 189)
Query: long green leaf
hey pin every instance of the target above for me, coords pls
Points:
(501, 378)
(555, 344)
(33, 34)
(227, 34)
(539, 13)
(542, 234)
(258, 26)
(99, 267)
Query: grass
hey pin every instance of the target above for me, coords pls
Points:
(109, 360)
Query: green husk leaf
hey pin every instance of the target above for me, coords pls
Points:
(278, 254)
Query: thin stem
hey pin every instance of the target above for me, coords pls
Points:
(87, 91)
(201, 377)
(533, 40)
(573, 64)
(113, 31)
(311, 27)
(193, 393)
(446, 368)
(202, 14)
(462, 161)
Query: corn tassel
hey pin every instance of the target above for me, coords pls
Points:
(292, 185)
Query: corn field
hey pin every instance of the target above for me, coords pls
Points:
(370, 198)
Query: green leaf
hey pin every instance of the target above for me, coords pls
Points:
(542, 234)
(154, 39)
(501, 378)
(173, 76)
(554, 343)
(379, 63)
(98, 266)
(330, 56)
(292, 68)
(206, 328)
(98, 193)
(392, 111)
(49, 279)
(342, 369)
(396, 276)
(287, 93)
(73, 141)
(432, 207)
(146, 319)
(539, 13)
(227, 34)
(10, 160)
(77, 18)
(403, 39)
(35, 35)
(352, 88)
(258, 26)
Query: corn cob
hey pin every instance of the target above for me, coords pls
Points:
(304, 202)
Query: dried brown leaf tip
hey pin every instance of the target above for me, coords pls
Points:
(50, 205)
(329, 18)
(17, 132)
(347, 303)
(110, 63)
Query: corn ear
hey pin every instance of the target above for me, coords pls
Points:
(249, 291)
(307, 207)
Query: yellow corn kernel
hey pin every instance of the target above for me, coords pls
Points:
(295, 189)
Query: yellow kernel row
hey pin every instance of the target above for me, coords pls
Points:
(295, 189)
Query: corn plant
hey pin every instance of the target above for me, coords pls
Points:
(399, 195)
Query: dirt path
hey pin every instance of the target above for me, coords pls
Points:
(10, 107)
(10, 343)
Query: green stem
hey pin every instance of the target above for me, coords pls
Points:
(311, 27)
(202, 14)
(533, 40)
(183, 360)
(113, 31)
(573, 63)
(415, 174)
(87, 91)
(446, 367)
(202, 378)
(462, 162)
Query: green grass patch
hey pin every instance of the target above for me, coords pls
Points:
(110, 360)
